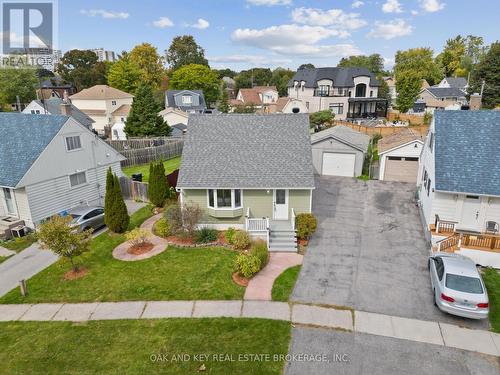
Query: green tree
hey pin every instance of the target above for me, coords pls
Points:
(158, 189)
(246, 108)
(451, 57)
(81, 68)
(146, 57)
(115, 211)
(253, 77)
(408, 86)
(185, 51)
(420, 62)
(21, 82)
(197, 77)
(306, 66)
(374, 63)
(221, 73)
(280, 78)
(58, 235)
(325, 117)
(144, 119)
(488, 70)
(224, 102)
(124, 74)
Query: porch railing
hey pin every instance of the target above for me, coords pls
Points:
(449, 242)
(445, 226)
(257, 225)
(472, 240)
(292, 219)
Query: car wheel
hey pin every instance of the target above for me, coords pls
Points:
(429, 264)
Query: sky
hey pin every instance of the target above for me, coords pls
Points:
(241, 34)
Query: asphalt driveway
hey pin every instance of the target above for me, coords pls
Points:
(369, 251)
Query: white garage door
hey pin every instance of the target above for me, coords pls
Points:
(335, 164)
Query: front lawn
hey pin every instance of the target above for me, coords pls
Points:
(134, 346)
(491, 278)
(175, 274)
(170, 166)
(283, 285)
(19, 244)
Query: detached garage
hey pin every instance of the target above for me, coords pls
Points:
(339, 151)
(399, 156)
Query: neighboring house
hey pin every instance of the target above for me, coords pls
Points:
(54, 87)
(60, 165)
(399, 154)
(100, 103)
(347, 92)
(251, 172)
(391, 83)
(188, 101)
(263, 98)
(458, 181)
(339, 151)
(178, 130)
(441, 97)
(230, 87)
(119, 117)
(57, 106)
(290, 105)
(454, 82)
(174, 116)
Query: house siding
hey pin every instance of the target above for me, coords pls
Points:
(333, 145)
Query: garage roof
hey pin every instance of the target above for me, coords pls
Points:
(403, 136)
(345, 135)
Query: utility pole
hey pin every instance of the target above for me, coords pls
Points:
(482, 87)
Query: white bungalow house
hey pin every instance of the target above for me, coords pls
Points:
(59, 166)
(458, 185)
(399, 154)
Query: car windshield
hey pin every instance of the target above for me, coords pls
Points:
(464, 284)
(75, 218)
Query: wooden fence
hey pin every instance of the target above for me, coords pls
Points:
(382, 130)
(138, 191)
(412, 119)
(145, 150)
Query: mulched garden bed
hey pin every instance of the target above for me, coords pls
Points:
(140, 249)
(73, 275)
(239, 280)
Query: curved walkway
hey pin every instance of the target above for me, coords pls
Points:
(435, 333)
(260, 286)
(160, 244)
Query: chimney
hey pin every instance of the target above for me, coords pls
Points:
(66, 105)
(475, 102)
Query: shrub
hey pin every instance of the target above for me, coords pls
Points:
(191, 214)
(241, 240)
(158, 189)
(229, 235)
(162, 228)
(173, 215)
(259, 249)
(305, 225)
(138, 236)
(115, 211)
(205, 235)
(183, 220)
(247, 265)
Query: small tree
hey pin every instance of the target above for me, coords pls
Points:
(321, 118)
(224, 102)
(57, 235)
(115, 211)
(158, 189)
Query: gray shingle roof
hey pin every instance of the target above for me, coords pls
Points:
(343, 134)
(54, 107)
(247, 151)
(457, 82)
(341, 77)
(171, 100)
(467, 145)
(18, 151)
(446, 92)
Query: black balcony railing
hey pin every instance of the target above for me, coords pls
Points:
(330, 93)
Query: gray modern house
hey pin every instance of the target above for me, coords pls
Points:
(190, 101)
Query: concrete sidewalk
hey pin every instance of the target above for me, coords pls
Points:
(308, 315)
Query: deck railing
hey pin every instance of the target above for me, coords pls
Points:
(449, 242)
(445, 226)
(257, 225)
(292, 219)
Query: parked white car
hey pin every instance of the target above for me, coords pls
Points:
(457, 286)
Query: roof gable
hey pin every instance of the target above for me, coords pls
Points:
(101, 92)
(345, 135)
(445, 92)
(341, 77)
(398, 139)
(53, 106)
(247, 151)
(17, 151)
(467, 151)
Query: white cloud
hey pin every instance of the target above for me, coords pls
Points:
(431, 6)
(357, 4)
(269, 3)
(17, 41)
(319, 51)
(389, 63)
(391, 29)
(163, 22)
(249, 59)
(104, 13)
(331, 17)
(414, 12)
(392, 6)
(201, 24)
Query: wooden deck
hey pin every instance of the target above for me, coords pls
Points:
(457, 240)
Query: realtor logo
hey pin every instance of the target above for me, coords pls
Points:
(28, 27)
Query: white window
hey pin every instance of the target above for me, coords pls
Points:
(337, 108)
(73, 143)
(35, 111)
(187, 99)
(77, 179)
(224, 198)
(113, 102)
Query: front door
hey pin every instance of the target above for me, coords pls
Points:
(280, 204)
(7, 193)
(470, 213)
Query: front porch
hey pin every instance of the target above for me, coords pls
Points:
(279, 235)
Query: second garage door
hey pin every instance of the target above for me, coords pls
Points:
(401, 169)
(336, 164)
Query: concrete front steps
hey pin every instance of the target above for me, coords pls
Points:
(282, 240)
